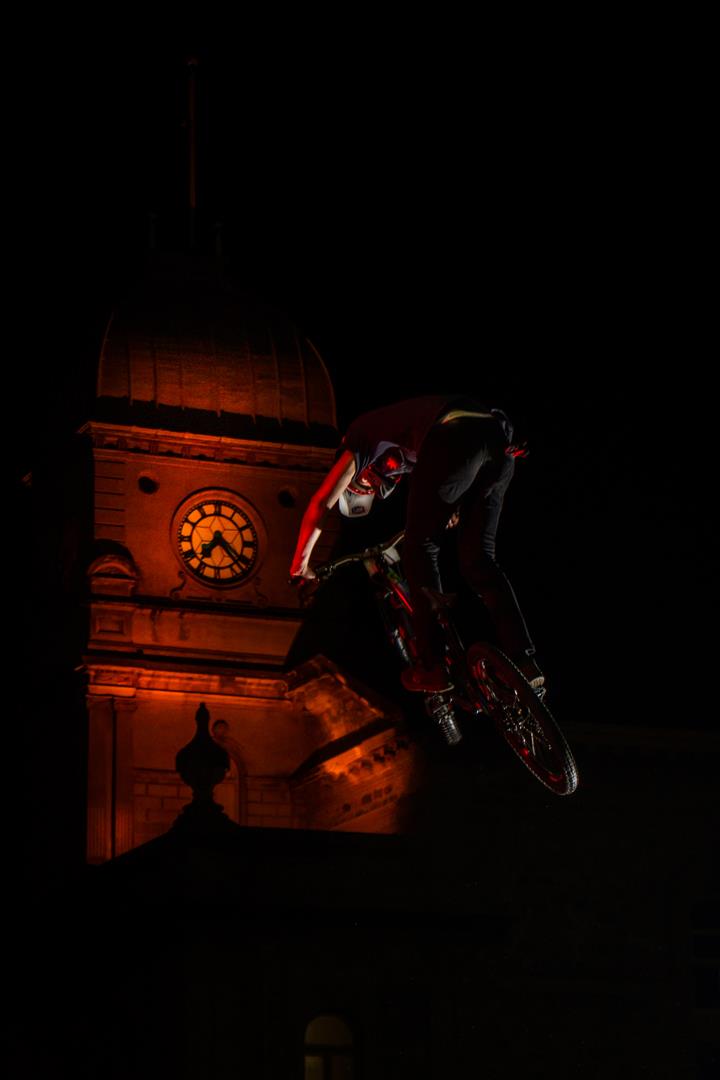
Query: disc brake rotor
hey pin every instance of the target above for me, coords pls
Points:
(504, 703)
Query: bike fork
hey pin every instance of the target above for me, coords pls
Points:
(439, 708)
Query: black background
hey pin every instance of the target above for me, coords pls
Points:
(526, 233)
(518, 217)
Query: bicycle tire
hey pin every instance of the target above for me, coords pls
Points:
(524, 721)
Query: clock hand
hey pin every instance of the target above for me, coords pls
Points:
(230, 550)
(208, 547)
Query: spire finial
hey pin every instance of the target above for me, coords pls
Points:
(202, 765)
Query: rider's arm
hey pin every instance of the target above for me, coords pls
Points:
(323, 500)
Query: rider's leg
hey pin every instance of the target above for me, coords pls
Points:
(448, 463)
(476, 549)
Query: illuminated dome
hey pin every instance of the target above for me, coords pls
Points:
(188, 350)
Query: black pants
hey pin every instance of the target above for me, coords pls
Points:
(462, 464)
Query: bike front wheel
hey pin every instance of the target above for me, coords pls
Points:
(525, 723)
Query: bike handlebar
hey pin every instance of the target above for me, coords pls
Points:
(325, 571)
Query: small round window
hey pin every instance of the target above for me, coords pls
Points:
(147, 484)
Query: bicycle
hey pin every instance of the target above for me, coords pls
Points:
(484, 681)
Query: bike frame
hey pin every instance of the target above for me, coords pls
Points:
(391, 592)
(484, 682)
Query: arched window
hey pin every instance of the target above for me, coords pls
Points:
(231, 793)
(329, 1052)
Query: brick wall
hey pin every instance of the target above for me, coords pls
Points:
(362, 797)
(160, 795)
(268, 802)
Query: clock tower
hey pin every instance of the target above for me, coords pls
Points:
(214, 422)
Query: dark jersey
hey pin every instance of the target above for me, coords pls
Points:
(403, 425)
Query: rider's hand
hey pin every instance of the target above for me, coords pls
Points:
(300, 571)
(306, 581)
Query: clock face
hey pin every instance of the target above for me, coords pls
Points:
(216, 539)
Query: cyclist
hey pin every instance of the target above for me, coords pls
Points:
(460, 457)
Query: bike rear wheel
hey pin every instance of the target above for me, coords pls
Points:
(525, 723)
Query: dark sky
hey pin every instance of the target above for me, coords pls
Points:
(517, 239)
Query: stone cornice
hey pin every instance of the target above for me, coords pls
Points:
(368, 754)
(219, 448)
(124, 680)
(219, 605)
